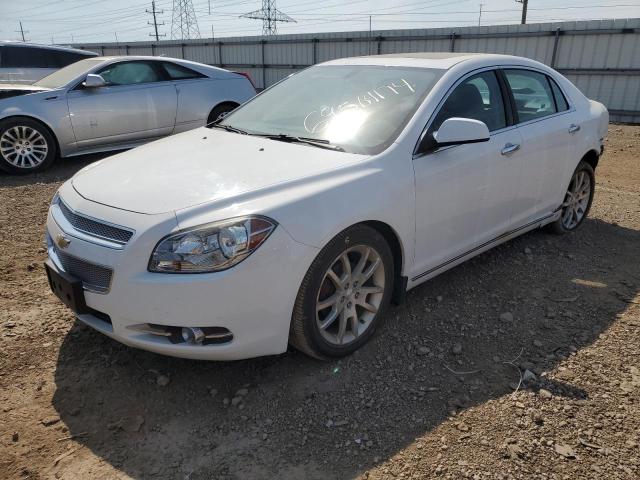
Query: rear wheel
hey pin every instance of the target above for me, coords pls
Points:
(220, 111)
(344, 294)
(26, 146)
(577, 200)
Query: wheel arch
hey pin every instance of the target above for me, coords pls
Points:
(592, 158)
(41, 122)
(393, 240)
(224, 102)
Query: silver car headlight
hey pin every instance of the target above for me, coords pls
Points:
(212, 247)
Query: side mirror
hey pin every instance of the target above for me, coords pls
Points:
(457, 131)
(94, 80)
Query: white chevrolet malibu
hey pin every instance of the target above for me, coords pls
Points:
(301, 215)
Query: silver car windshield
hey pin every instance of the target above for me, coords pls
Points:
(62, 77)
(360, 108)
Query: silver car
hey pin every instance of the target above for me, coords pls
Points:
(111, 103)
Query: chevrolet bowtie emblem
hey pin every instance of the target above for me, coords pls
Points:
(62, 241)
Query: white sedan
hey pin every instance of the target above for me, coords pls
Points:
(300, 216)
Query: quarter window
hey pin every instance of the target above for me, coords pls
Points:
(178, 72)
(561, 101)
(532, 94)
(478, 97)
(130, 73)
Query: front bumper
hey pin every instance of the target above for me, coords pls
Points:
(253, 300)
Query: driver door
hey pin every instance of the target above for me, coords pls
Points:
(137, 104)
(464, 193)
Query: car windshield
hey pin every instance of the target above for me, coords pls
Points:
(360, 108)
(61, 77)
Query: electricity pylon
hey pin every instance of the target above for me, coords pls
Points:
(184, 24)
(270, 17)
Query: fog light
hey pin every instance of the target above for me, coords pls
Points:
(192, 335)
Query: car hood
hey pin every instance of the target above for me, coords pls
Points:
(200, 166)
(8, 90)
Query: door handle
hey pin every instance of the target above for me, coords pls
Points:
(573, 128)
(510, 148)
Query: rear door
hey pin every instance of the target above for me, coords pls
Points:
(546, 124)
(464, 193)
(137, 104)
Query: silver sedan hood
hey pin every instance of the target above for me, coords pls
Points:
(198, 167)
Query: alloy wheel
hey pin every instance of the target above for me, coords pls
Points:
(576, 200)
(23, 146)
(350, 295)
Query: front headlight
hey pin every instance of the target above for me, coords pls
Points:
(56, 198)
(211, 248)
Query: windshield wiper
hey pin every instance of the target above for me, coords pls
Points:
(228, 128)
(315, 142)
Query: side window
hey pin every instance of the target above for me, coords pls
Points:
(561, 101)
(532, 93)
(23, 57)
(178, 72)
(478, 97)
(130, 73)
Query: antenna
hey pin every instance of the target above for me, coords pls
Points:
(270, 16)
(155, 21)
(184, 24)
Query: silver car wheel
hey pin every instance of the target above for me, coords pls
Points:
(23, 146)
(350, 295)
(576, 200)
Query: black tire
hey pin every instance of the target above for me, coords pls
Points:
(305, 334)
(10, 162)
(221, 110)
(559, 227)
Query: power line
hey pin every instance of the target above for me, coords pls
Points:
(155, 23)
(270, 17)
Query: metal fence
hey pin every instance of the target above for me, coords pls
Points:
(601, 57)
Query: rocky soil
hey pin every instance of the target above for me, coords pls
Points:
(522, 363)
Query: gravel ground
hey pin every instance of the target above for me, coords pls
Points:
(522, 363)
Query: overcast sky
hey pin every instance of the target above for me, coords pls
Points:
(85, 21)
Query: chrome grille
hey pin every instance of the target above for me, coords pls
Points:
(94, 277)
(94, 227)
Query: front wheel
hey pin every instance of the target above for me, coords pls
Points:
(577, 200)
(26, 146)
(343, 294)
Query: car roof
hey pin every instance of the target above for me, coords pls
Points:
(208, 70)
(437, 60)
(13, 43)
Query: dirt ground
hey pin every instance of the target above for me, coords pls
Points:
(522, 363)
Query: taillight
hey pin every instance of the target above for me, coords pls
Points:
(246, 75)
